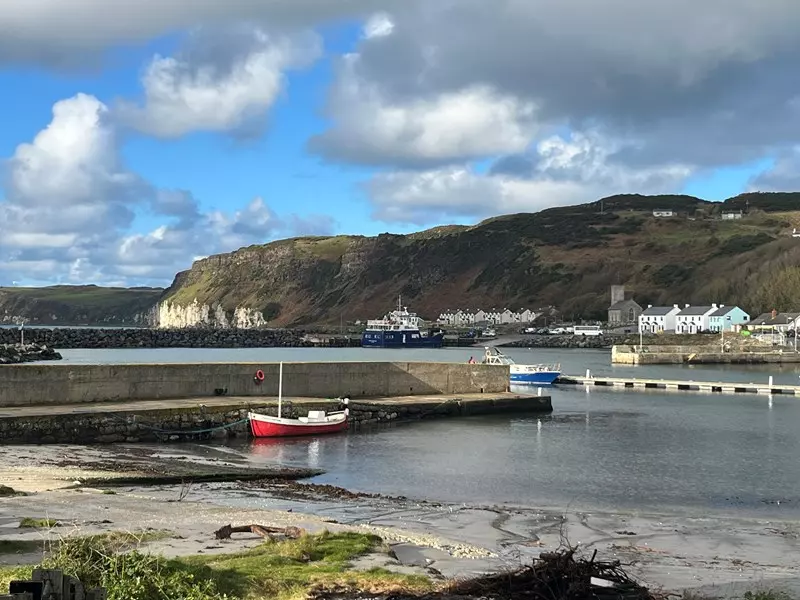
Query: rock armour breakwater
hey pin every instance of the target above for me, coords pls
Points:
(157, 338)
(21, 353)
(566, 341)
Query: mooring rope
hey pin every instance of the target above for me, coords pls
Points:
(158, 430)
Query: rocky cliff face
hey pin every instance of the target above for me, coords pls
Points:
(567, 257)
(175, 316)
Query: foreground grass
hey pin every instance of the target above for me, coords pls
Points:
(284, 570)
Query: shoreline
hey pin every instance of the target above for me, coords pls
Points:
(672, 551)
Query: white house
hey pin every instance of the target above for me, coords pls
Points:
(463, 317)
(663, 212)
(657, 319)
(526, 315)
(694, 319)
(731, 215)
(493, 316)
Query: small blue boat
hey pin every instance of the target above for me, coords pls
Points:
(523, 374)
(399, 329)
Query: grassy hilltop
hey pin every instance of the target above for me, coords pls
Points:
(77, 305)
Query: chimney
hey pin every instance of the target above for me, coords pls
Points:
(675, 306)
(649, 306)
(774, 313)
(685, 306)
(713, 306)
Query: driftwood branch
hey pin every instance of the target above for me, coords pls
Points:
(225, 532)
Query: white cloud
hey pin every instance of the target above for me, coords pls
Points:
(378, 25)
(453, 126)
(561, 172)
(220, 82)
(70, 204)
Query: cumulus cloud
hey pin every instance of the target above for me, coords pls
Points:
(70, 206)
(220, 81)
(708, 83)
(467, 123)
(559, 172)
(70, 32)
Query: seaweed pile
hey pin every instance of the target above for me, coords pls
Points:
(556, 575)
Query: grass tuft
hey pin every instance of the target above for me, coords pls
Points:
(31, 523)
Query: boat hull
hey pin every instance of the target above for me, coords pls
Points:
(271, 427)
(400, 339)
(537, 378)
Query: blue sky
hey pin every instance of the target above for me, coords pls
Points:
(130, 150)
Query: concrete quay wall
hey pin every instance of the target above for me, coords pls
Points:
(677, 355)
(205, 422)
(60, 384)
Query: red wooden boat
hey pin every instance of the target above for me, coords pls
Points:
(317, 422)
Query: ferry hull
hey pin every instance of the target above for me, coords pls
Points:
(399, 339)
(538, 378)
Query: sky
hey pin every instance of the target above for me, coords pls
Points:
(137, 137)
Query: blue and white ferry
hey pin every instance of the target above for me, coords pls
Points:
(399, 329)
(523, 374)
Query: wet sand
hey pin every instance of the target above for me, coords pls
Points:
(674, 552)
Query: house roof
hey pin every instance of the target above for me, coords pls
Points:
(695, 311)
(623, 304)
(780, 319)
(721, 312)
(784, 318)
(657, 311)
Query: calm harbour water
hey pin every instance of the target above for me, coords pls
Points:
(601, 449)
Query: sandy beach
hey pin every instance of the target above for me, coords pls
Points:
(719, 554)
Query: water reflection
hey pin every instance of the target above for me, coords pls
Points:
(613, 449)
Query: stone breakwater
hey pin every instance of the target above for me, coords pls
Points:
(198, 422)
(157, 338)
(11, 354)
(567, 341)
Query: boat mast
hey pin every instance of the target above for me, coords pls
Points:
(280, 388)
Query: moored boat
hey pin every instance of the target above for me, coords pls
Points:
(316, 422)
(523, 374)
(399, 329)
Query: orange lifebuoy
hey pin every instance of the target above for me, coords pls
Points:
(259, 375)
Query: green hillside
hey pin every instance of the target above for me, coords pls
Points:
(566, 256)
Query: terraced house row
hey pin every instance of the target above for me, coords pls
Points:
(692, 319)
